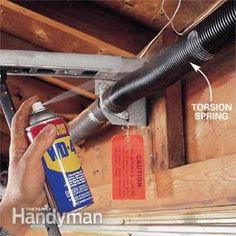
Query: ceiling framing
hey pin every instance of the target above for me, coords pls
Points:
(122, 28)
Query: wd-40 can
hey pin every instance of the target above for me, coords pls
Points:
(66, 186)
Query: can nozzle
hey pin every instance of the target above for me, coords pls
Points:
(38, 106)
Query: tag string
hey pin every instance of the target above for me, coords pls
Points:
(125, 128)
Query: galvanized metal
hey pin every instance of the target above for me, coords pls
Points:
(134, 115)
(38, 63)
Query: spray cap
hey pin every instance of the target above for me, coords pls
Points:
(38, 106)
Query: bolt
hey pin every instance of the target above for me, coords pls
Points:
(125, 115)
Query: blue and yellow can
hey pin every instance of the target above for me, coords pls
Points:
(65, 183)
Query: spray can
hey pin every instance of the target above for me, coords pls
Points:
(65, 183)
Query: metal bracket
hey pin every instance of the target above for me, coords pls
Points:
(134, 115)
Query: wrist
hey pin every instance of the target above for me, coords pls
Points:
(7, 221)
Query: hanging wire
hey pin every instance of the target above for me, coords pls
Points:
(195, 22)
(170, 22)
(168, 18)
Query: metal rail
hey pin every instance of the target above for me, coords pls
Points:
(38, 63)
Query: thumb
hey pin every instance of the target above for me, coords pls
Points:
(40, 144)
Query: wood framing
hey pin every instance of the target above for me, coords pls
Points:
(175, 129)
(167, 129)
(99, 22)
(207, 183)
(50, 34)
(67, 86)
(208, 139)
(151, 14)
(204, 184)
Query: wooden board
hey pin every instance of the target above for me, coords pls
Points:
(150, 14)
(204, 184)
(199, 215)
(8, 41)
(207, 183)
(43, 232)
(175, 129)
(166, 126)
(211, 138)
(96, 21)
(48, 33)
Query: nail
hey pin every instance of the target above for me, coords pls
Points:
(50, 129)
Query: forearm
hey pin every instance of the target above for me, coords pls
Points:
(6, 220)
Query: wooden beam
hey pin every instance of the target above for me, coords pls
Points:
(9, 41)
(200, 215)
(50, 34)
(40, 231)
(167, 129)
(151, 14)
(207, 183)
(22, 88)
(175, 129)
(158, 129)
(68, 116)
(204, 184)
(67, 86)
(97, 21)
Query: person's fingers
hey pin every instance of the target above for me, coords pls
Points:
(19, 123)
(77, 148)
(40, 144)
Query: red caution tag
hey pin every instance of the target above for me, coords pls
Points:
(128, 180)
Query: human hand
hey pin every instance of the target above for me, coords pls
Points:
(25, 186)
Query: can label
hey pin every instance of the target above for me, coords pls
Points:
(62, 149)
(65, 179)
